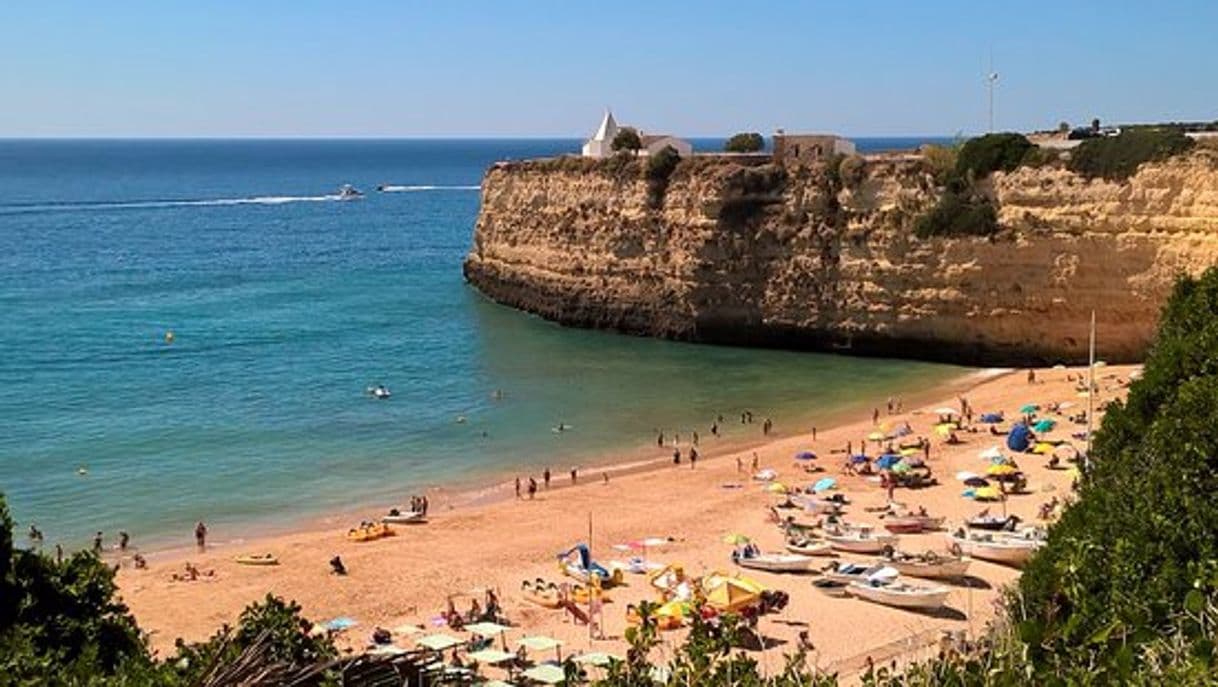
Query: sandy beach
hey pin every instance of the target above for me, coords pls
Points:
(407, 578)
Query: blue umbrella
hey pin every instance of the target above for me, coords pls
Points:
(1044, 425)
(824, 484)
(991, 418)
(858, 459)
(886, 461)
(805, 455)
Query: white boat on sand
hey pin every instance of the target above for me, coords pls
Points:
(859, 539)
(1011, 548)
(846, 571)
(928, 565)
(775, 562)
(900, 594)
(398, 516)
(808, 547)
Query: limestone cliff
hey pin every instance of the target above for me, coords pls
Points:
(741, 251)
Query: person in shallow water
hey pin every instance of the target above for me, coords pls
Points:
(201, 535)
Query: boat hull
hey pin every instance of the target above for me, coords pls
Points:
(923, 598)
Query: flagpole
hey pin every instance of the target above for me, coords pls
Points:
(1090, 394)
(592, 589)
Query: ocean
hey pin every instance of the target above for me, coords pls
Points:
(284, 306)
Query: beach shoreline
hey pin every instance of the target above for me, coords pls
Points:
(493, 484)
(407, 578)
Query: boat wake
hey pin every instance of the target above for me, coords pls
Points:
(391, 188)
(70, 206)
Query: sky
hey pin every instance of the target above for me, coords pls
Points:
(506, 68)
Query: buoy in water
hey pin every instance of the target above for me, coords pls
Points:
(82, 470)
(169, 336)
(460, 419)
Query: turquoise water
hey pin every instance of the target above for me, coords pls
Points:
(285, 305)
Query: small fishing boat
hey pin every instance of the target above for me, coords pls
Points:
(258, 559)
(992, 523)
(1011, 548)
(927, 565)
(774, 562)
(900, 594)
(380, 391)
(396, 516)
(847, 571)
(808, 547)
(833, 588)
(858, 539)
(903, 525)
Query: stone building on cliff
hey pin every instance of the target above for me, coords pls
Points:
(601, 143)
(809, 147)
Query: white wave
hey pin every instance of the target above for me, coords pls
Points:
(391, 188)
(158, 204)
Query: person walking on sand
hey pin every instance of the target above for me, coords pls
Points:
(532, 488)
(756, 461)
(545, 476)
(693, 458)
(605, 476)
(97, 543)
(201, 535)
(875, 416)
(715, 428)
(517, 488)
(574, 475)
(739, 465)
(695, 438)
(660, 439)
(813, 432)
(676, 456)
(1031, 376)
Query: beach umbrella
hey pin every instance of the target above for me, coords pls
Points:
(1044, 425)
(765, 475)
(736, 539)
(1043, 448)
(976, 482)
(596, 658)
(902, 467)
(987, 494)
(805, 455)
(886, 461)
(858, 459)
(776, 488)
(991, 453)
(1065, 405)
(438, 642)
(1101, 363)
(991, 418)
(487, 629)
(1084, 394)
(908, 451)
(1002, 469)
(944, 430)
(824, 484)
(651, 542)
(490, 656)
(965, 475)
(946, 411)
(877, 437)
(340, 624)
(1059, 366)
(546, 673)
(1028, 408)
(728, 594)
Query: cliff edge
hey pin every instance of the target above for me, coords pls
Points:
(744, 251)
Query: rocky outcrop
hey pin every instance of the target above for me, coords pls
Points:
(741, 251)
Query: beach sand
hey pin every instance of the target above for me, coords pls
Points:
(408, 577)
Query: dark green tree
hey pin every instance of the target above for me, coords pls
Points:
(744, 143)
(627, 140)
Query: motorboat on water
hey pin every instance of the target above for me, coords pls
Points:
(349, 192)
(380, 391)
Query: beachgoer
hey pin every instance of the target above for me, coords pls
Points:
(517, 487)
(676, 456)
(849, 448)
(139, 561)
(695, 438)
(35, 534)
(767, 426)
(123, 540)
(545, 476)
(605, 476)
(875, 416)
(1031, 376)
(813, 432)
(532, 488)
(693, 457)
(337, 567)
(59, 553)
(201, 535)
(574, 475)
(739, 464)
(714, 429)
(660, 439)
(97, 543)
(891, 403)
(425, 503)
(756, 461)
(805, 644)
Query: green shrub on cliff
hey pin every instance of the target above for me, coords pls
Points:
(980, 156)
(744, 143)
(958, 213)
(1118, 157)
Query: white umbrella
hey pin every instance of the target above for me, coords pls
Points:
(965, 475)
(991, 453)
(946, 411)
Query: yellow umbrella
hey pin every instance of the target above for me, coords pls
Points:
(1042, 448)
(987, 494)
(1002, 469)
(776, 488)
(877, 436)
(730, 595)
(908, 451)
(736, 539)
(944, 430)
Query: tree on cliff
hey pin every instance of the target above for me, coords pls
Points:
(744, 143)
(627, 140)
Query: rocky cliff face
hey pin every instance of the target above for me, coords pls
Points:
(741, 251)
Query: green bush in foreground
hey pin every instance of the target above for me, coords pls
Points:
(1117, 157)
(981, 156)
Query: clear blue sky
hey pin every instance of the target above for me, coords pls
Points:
(548, 67)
